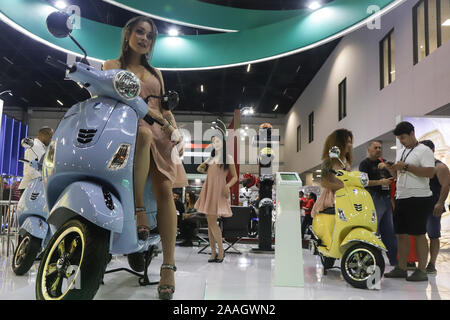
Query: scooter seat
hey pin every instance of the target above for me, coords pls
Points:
(329, 210)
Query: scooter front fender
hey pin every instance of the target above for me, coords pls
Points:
(87, 199)
(364, 236)
(35, 226)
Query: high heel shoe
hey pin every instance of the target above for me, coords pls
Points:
(220, 260)
(213, 260)
(166, 295)
(143, 230)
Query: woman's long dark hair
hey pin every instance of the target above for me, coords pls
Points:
(125, 47)
(224, 164)
(191, 202)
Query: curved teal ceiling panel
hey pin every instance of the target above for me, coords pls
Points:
(204, 15)
(205, 51)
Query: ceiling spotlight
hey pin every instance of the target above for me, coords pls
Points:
(314, 5)
(60, 5)
(249, 67)
(7, 60)
(59, 102)
(173, 32)
(276, 107)
(201, 88)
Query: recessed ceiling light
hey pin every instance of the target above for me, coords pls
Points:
(60, 5)
(314, 5)
(7, 60)
(173, 32)
(249, 67)
(201, 88)
(38, 84)
(276, 107)
(59, 102)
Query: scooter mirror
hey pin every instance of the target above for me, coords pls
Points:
(170, 100)
(27, 143)
(334, 152)
(59, 25)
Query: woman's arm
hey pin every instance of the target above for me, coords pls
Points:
(202, 168)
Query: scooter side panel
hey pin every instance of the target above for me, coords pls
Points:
(364, 236)
(34, 226)
(32, 202)
(87, 200)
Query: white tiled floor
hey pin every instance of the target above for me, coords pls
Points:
(240, 277)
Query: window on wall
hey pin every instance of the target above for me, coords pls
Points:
(311, 126)
(387, 60)
(299, 138)
(343, 99)
(431, 23)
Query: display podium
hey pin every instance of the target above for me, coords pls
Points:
(288, 238)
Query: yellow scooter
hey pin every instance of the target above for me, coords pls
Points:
(348, 231)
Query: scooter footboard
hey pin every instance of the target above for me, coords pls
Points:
(362, 235)
(34, 226)
(92, 202)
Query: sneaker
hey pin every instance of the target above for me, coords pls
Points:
(396, 273)
(431, 269)
(417, 276)
(411, 266)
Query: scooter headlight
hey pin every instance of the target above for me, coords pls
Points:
(120, 157)
(49, 160)
(341, 215)
(364, 179)
(127, 85)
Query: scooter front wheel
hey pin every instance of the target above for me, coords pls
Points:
(25, 254)
(359, 264)
(73, 263)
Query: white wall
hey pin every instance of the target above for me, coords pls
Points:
(371, 112)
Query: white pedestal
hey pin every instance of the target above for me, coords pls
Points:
(288, 240)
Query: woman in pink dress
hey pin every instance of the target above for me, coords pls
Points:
(214, 197)
(155, 152)
(343, 139)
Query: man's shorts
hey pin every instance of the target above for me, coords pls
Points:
(411, 215)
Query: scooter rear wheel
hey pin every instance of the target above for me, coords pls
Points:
(73, 263)
(357, 262)
(25, 254)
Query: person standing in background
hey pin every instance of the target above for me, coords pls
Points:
(414, 167)
(440, 185)
(214, 198)
(308, 207)
(41, 143)
(379, 181)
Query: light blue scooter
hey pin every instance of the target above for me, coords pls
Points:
(32, 212)
(88, 181)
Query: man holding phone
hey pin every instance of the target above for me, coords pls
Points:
(379, 182)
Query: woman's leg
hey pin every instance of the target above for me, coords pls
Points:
(167, 221)
(217, 234)
(141, 170)
(212, 241)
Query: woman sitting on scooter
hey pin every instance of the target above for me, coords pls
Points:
(343, 139)
(154, 146)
